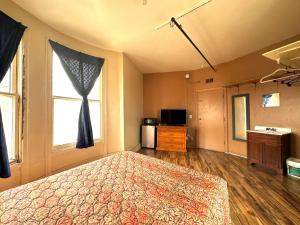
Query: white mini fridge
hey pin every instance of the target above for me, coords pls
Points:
(148, 136)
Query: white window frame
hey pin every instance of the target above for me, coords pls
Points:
(54, 97)
(16, 70)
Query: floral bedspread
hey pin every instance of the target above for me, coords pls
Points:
(125, 188)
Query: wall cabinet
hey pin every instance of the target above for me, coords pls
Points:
(269, 150)
(171, 138)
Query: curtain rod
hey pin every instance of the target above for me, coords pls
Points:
(173, 20)
(252, 81)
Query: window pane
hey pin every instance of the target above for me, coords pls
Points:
(66, 111)
(95, 113)
(6, 84)
(95, 92)
(62, 85)
(66, 114)
(8, 112)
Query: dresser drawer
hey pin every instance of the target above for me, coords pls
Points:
(171, 134)
(167, 129)
(170, 140)
(171, 146)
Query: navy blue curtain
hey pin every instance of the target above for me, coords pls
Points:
(83, 71)
(11, 33)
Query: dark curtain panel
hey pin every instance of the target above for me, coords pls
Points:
(83, 70)
(11, 33)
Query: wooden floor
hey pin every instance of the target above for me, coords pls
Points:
(257, 196)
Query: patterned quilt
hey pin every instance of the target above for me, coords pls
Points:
(125, 188)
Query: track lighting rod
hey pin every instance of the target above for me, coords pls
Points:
(186, 12)
(173, 21)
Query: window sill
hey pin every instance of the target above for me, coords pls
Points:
(15, 163)
(72, 146)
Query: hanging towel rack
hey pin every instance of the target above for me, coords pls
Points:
(288, 56)
(286, 76)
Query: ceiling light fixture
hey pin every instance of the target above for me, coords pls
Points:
(144, 2)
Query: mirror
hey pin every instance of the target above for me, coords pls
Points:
(240, 117)
(271, 100)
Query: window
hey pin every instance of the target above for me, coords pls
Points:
(67, 103)
(10, 108)
(240, 117)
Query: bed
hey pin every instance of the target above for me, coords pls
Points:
(125, 188)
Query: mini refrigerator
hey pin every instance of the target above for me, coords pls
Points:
(148, 136)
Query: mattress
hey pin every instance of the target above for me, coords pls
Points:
(125, 188)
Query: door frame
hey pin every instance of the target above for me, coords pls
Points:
(225, 115)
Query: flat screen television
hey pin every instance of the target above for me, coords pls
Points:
(173, 116)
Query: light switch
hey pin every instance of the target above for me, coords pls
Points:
(190, 116)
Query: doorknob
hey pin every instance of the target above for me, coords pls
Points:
(199, 119)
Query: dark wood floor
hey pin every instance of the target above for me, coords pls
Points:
(257, 196)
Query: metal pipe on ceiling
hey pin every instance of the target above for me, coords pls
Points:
(173, 21)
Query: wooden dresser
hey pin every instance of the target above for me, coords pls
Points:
(269, 150)
(171, 138)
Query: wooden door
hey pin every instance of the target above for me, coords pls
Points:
(211, 120)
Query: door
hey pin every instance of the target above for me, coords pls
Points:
(271, 156)
(211, 120)
(254, 152)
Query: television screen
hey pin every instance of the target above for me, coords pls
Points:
(173, 116)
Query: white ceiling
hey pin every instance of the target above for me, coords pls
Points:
(222, 29)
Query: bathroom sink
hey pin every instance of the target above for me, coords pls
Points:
(271, 131)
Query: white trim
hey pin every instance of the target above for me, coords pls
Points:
(135, 148)
(48, 109)
(15, 95)
(231, 153)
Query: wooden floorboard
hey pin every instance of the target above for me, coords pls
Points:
(256, 195)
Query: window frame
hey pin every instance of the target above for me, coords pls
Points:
(54, 97)
(16, 93)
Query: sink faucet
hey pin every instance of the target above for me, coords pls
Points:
(271, 129)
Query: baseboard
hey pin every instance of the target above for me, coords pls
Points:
(133, 149)
(76, 164)
(242, 156)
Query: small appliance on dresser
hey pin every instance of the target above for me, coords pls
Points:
(148, 129)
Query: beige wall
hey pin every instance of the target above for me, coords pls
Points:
(39, 159)
(172, 90)
(133, 105)
(167, 90)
